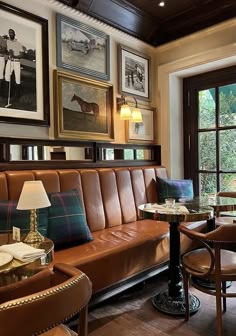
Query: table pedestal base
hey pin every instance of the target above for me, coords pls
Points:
(174, 306)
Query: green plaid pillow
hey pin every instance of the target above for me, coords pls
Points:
(174, 189)
(10, 216)
(66, 220)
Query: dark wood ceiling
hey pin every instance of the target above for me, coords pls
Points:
(156, 25)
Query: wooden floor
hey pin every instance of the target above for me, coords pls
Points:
(132, 314)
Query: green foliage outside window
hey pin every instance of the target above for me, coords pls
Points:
(208, 136)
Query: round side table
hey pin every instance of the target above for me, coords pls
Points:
(17, 270)
(171, 300)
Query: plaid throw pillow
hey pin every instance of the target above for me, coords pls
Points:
(66, 220)
(174, 188)
(10, 216)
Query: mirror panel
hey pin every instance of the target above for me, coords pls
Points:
(144, 154)
(126, 154)
(22, 153)
(108, 154)
(47, 153)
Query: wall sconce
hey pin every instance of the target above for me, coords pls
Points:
(128, 113)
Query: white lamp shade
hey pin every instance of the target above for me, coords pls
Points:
(125, 112)
(136, 115)
(33, 196)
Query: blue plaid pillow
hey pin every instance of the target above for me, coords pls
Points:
(66, 220)
(10, 216)
(174, 189)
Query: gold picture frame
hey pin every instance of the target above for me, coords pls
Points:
(143, 132)
(83, 108)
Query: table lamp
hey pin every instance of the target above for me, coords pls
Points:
(33, 196)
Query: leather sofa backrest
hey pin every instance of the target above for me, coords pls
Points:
(110, 196)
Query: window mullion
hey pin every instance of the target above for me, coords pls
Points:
(217, 140)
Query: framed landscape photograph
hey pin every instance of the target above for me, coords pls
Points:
(134, 73)
(83, 108)
(24, 70)
(142, 132)
(82, 48)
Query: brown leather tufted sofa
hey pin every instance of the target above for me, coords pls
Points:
(125, 250)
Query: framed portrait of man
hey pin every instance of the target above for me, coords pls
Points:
(24, 71)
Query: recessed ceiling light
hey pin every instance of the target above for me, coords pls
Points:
(161, 4)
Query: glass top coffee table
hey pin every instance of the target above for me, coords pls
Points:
(171, 300)
(219, 203)
(16, 270)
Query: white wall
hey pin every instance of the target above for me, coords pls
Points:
(207, 50)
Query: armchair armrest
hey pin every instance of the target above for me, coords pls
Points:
(192, 234)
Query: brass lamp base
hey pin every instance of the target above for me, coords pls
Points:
(33, 237)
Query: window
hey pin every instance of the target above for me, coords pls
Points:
(210, 130)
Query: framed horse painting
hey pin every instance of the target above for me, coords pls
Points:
(83, 108)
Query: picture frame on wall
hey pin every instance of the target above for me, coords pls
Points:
(83, 108)
(24, 68)
(82, 48)
(134, 73)
(143, 132)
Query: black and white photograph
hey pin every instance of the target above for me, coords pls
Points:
(82, 48)
(24, 86)
(142, 131)
(134, 69)
(84, 107)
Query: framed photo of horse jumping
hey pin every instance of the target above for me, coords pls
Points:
(24, 69)
(134, 73)
(82, 48)
(83, 108)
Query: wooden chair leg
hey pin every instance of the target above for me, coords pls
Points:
(83, 322)
(224, 298)
(218, 293)
(186, 293)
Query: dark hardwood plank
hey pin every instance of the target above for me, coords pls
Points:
(132, 314)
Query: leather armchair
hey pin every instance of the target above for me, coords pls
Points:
(40, 304)
(214, 262)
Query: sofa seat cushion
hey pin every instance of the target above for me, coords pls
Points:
(113, 239)
(120, 252)
(115, 252)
